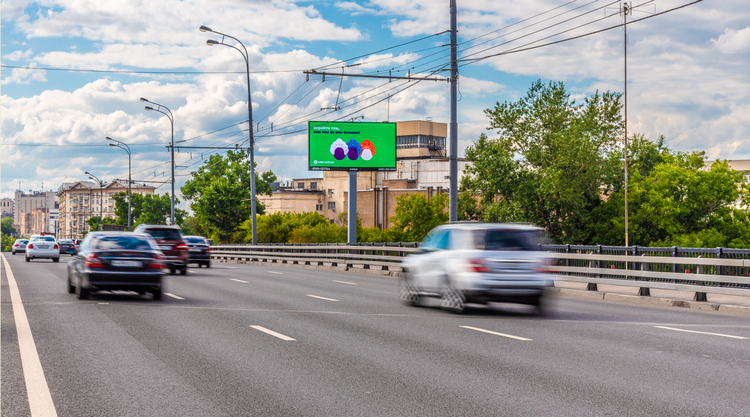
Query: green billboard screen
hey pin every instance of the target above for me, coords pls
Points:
(349, 146)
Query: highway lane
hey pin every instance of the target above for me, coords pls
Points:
(217, 350)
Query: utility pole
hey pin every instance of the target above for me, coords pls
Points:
(625, 11)
(453, 198)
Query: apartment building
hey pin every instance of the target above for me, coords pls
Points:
(32, 210)
(421, 168)
(79, 201)
(6, 207)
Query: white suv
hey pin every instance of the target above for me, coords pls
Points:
(43, 246)
(464, 263)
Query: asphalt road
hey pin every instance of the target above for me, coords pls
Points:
(218, 345)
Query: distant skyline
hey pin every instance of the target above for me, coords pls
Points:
(687, 74)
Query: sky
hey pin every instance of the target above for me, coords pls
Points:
(688, 75)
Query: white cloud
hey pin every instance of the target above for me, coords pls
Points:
(25, 76)
(733, 41)
(18, 55)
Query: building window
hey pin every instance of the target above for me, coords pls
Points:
(301, 185)
(313, 185)
(332, 205)
(318, 207)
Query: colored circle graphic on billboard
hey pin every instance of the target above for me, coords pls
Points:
(348, 146)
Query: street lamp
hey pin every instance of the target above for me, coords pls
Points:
(246, 56)
(125, 148)
(101, 193)
(171, 120)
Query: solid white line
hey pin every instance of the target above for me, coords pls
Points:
(344, 282)
(496, 333)
(238, 280)
(322, 298)
(40, 399)
(173, 296)
(274, 272)
(272, 333)
(695, 331)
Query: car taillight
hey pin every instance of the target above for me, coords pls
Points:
(181, 246)
(31, 246)
(157, 263)
(208, 249)
(479, 265)
(92, 261)
(56, 247)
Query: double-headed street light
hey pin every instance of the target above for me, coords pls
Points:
(101, 194)
(159, 108)
(125, 148)
(246, 56)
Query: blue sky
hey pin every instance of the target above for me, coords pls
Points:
(687, 71)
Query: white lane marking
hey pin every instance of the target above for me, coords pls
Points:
(274, 272)
(104, 304)
(345, 282)
(695, 331)
(496, 333)
(40, 399)
(173, 296)
(322, 298)
(272, 333)
(238, 280)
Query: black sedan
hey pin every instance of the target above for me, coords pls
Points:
(117, 261)
(67, 246)
(199, 250)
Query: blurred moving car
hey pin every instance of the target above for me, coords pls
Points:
(19, 246)
(67, 246)
(170, 242)
(477, 263)
(42, 246)
(117, 261)
(199, 250)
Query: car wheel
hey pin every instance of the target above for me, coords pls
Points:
(156, 294)
(183, 270)
(81, 293)
(208, 264)
(56, 259)
(452, 299)
(28, 259)
(13, 252)
(71, 288)
(540, 307)
(408, 292)
(171, 271)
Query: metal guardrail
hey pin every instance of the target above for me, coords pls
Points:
(717, 271)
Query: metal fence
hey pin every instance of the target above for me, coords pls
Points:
(719, 270)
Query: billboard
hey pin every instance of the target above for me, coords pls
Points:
(350, 146)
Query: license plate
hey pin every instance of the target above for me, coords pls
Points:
(195, 250)
(128, 264)
(43, 247)
(165, 247)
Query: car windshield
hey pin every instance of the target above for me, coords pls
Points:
(120, 242)
(505, 239)
(199, 240)
(23, 241)
(43, 238)
(166, 234)
(68, 241)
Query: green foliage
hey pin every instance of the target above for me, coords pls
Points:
(219, 192)
(310, 227)
(6, 226)
(147, 209)
(415, 216)
(93, 222)
(550, 162)
(6, 242)
(679, 203)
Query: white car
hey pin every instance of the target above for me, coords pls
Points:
(19, 246)
(43, 246)
(477, 263)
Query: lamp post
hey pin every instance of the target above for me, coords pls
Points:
(125, 148)
(171, 120)
(101, 193)
(249, 116)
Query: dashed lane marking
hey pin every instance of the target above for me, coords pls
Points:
(40, 399)
(273, 333)
(496, 333)
(274, 272)
(321, 298)
(695, 331)
(346, 282)
(238, 280)
(173, 296)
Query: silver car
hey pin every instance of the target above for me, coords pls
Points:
(43, 246)
(477, 263)
(19, 246)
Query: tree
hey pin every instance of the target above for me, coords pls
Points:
(6, 226)
(551, 161)
(415, 216)
(147, 209)
(93, 222)
(219, 191)
(310, 227)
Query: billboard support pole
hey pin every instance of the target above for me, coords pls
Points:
(352, 214)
